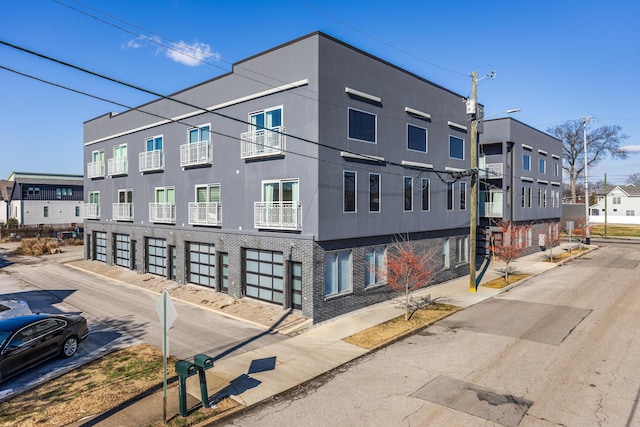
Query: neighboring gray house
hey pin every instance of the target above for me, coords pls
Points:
(284, 180)
(46, 199)
(520, 180)
(623, 205)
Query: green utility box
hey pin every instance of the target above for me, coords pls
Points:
(184, 369)
(203, 362)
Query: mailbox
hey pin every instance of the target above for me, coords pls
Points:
(185, 369)
(203, 361)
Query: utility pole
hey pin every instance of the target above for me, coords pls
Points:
(605, 206)
(587, 234)
(473, 220)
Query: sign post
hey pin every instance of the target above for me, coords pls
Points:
(167, 315)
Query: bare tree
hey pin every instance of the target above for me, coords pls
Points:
(634, 179)
(601, 142)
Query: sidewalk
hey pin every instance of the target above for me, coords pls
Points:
(254, 376)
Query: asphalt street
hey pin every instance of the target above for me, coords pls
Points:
(563, 348)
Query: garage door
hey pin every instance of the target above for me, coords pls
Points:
(202, 260)
(157, 256)
(101, 246)
(123, 250)
(264, 275)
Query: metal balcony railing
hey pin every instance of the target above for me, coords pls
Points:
(195, 153)
(95, 169)
(162, 212)
(151, 160)
(92, 210)
(118, 166)
(263, 143)
(205, 213)
(278, 215)
(123, 211)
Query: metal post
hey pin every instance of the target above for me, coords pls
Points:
(606, 236)
(473, 220)
(587, 233)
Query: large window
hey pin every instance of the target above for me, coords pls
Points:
(526, 162)
(556, 169)
(456, 147)
(374, 266)
(408, 193)
(463, 196)
(154, 143)
(425, 194)
(337, 273)
(362, 126)
(616, 200)
(264, 272)
(449, 196)
(446, 255)
(539, 197)
(462, 247)
(523, 195)
(208, 193)
(266, 119)
(199, 134)
(374, 192)
(416, 138)
(349, 191)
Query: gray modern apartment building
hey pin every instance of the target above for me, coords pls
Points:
(520, 181)
(284, 180)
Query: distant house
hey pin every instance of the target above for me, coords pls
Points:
(45, 199)
(5, 191)
(622, 205)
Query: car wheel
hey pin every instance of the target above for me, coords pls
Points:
(69, 347)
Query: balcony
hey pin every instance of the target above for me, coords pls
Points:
(123, 211)
(195, 154)
(492, 171)
(491, 209)
(92, 210)
(162, 212)
(205, 213)
(118, 166)
(263, 143)
(95, 170)
(277, 215)
(151, 161)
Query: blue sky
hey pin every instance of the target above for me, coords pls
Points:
(555, 60)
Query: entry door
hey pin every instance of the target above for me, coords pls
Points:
(296, 285)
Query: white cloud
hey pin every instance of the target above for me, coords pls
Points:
(631, 148)
(191, 54)
(132, 44)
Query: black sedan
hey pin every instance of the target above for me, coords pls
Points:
(26, 341)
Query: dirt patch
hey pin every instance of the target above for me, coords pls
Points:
(500, 283)
(390, 330)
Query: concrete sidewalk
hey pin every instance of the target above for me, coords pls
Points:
(254, 376)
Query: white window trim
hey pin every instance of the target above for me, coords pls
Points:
(280, 182)
(207, 186)
(375, 141)
(379, 193)
(404, 180)
(426, 137)
(453, 196)
(383, 267)
(198, 127)
(347, 292)
(460, 193)
(463, 148)
(263, 111)
(428, 193)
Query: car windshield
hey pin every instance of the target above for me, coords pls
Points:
(4, 336)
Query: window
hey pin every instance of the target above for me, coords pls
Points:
(362, 126)
(120, 151)
(526, 162)
(530, 194)
(408, 193)
(544, 199)
(539, 197)
(446, 256)
(522, 203)
(165, 195)
(449, 196)
(282, 190)
(33, 191)
(208, 193)
(617, 200)
(416, 138)
(456, 147)
(125, 196)
(374, 266)
(337, 273)
(77, 210)
(349, 191)
(630, 212)
(199, 134)
(462, 246)
(542, 165)
(265, 119)
(374, 192)
(556, 169)
(46, 211)
(425, 194)
(154, 143)
(463, 196)
(529, 237)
